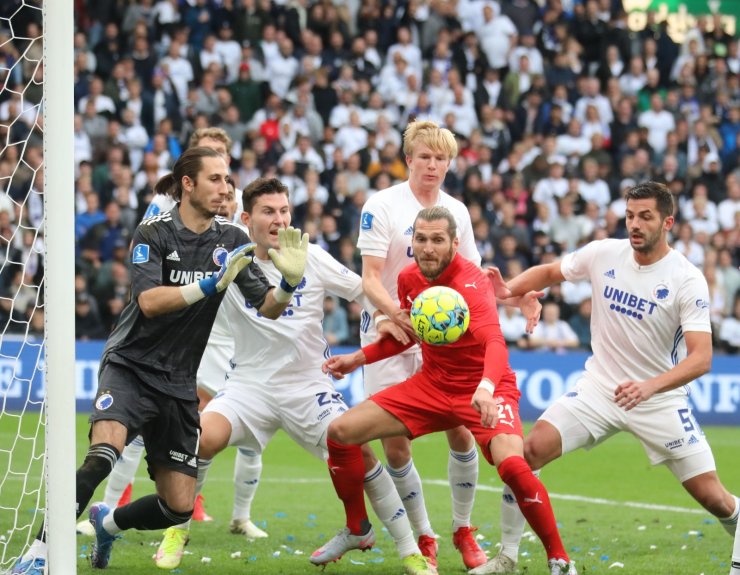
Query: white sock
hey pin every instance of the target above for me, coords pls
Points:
(730, 523)
(408, 485)
(124, 471)
(735, 568)
(462, 472)
(110, 525)
(388, 507)
(247, 471)
(512, 523)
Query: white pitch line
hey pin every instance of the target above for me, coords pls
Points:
(560, 496)
(479, 487)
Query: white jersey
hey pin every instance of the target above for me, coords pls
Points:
(386, 228)
(160, 203)
(640, 313)
(288, 351)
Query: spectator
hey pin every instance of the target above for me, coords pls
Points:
(87, 323)
(552, 333)
(580, 322)
(336, 327)
(729, 331)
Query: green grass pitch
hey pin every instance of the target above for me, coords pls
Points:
(610, 505)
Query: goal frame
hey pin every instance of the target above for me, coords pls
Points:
(59, 329)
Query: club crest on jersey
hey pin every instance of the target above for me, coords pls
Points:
(702, 304)
(366, 221)
(661, 292)
(140, 254)
(104, 402)
(219, 255)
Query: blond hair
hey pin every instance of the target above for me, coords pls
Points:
(213, 133)
(431, 135)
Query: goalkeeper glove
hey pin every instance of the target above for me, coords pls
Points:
(290, 259)
(234, 262)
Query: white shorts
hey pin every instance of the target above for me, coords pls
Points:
(665, 426)
(382, 374)
(257, 412)
(214, 368)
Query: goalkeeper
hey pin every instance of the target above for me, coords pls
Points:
(182, 262)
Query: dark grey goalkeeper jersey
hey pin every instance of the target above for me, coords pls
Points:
(165, 351)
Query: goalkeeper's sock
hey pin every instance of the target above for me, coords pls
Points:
(462, 472)
(534, 502)
(388, 507)
(247, 471)
(124, 471)
(99, 462)
(347, 471)
(145, 514)
(408, 485)
(730, 523)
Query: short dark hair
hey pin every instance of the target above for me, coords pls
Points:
(660, 192)
(261, 187)
(438, 213)
(188, 164)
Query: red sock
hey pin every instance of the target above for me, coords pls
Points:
(534, 502)
(347, 471)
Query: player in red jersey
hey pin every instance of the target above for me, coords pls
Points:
(468, 382)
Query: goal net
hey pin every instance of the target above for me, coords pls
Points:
(26, 425)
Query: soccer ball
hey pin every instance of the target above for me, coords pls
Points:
(440, 315)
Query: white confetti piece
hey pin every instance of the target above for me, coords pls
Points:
(236, 554)
(276, 554)
(480, 537)
(683, 547)
(356, 562)
(693, 532)
(205, 560)
(641, 528)
(669, 526)
(653, 547)
(616, 564)
(297, 552)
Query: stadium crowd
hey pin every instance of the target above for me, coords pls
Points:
(557, 105)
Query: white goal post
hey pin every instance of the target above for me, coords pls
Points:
(58, 29)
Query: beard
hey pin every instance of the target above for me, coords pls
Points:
(649, 241)
(431, 269)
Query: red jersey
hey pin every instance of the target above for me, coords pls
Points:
(481, 352)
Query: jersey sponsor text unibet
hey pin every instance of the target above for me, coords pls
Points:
(640, 313)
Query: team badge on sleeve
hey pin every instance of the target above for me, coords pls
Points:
(366, 221)
(140, 254)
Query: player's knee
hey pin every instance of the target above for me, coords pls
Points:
(339, 432)
(397, 455)
(536, 453)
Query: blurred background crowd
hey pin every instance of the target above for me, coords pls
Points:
(557, 105)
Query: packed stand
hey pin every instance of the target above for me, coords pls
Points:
(557, 106)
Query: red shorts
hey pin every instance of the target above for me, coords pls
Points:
(424, 408)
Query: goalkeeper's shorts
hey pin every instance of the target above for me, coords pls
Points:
(170, 426)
